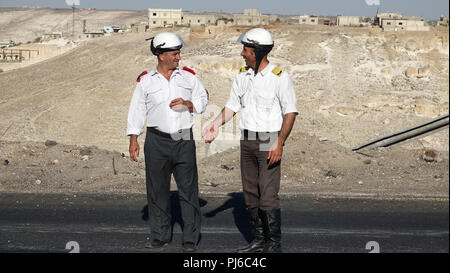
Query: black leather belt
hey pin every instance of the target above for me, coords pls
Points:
(258, 135)
(180, 134)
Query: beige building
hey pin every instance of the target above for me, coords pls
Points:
(199, 19)
(308, 20)
(443, 21)
(164, 17)
(398, 22)
(404, 23)
(173, 17)
(51, 36)
(252, 12)
(350, 21)
(248, 20)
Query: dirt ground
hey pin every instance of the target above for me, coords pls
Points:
(309, 167)
(352, 85)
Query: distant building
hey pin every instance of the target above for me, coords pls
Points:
(350, 21)
(93, 34)
(248, 20)
(443, 21)
(173, 17)
(398, 22)
(308, 20)
(199, 19)
(164, 17)
(5, 44)
(252, 12)
(51, 36)
(382, 16)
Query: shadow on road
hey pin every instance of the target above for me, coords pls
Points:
(237, 203)
(176, 210)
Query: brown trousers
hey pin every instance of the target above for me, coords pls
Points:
(260, 182)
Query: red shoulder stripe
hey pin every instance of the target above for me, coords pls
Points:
(188, 70)
(142, 74)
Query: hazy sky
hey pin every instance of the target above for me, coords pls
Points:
(430, 9)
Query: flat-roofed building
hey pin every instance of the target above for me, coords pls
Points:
(252, 12)
(199, 19)
(308, 20)
(350, 21)
(164, 17)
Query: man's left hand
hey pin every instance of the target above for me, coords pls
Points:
(275, 153)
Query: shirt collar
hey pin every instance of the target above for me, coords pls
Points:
(176, 71)
(263, 72)
(267, 69)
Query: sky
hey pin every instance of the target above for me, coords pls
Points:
(430, 10)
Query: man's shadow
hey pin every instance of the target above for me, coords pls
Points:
(175, 210)
(237, 203)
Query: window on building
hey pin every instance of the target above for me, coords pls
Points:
(304, 20)
(249, 21)
(313, 20)
(154, 13)
(388, 23)
(198, 21)
(400, 23)
(209, 21)
(154, 22)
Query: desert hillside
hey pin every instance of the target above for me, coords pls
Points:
(25, 24)
(352, 85)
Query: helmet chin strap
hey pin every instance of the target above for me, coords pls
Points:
(260, 53)
(258, 62)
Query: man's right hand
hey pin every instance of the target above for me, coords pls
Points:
(134, 148)
(210, 133)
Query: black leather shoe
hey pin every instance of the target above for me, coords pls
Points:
(156, 244)
(189, 247)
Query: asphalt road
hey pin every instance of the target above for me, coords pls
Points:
(119, 223)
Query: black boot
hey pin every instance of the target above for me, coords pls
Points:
(273, 244)
(257, 230)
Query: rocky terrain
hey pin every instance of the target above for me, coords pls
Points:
(352, 85)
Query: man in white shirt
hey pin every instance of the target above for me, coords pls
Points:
(266, 97)
(165, 100)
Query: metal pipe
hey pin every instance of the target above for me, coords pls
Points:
(425, 128)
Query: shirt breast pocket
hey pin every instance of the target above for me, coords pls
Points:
(265, 102)
(156, 95)
(185, 90)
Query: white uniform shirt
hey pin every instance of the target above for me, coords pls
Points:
(152, 97)
(264, 99)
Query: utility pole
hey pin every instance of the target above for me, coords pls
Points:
(73, 19)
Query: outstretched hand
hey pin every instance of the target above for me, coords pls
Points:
(210, 133)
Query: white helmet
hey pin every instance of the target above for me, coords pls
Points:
(165, 41)
(256, 37)
(260, 40)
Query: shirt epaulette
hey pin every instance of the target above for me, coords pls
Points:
(142, 74)
(243, 69)
(277, 71)
(188, 70)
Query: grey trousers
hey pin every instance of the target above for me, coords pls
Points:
(260, 182)
(165, 156)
